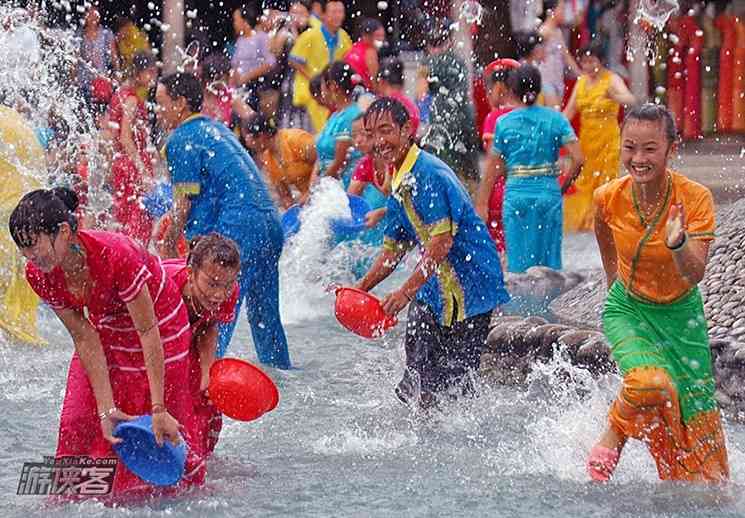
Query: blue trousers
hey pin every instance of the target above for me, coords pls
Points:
(259, 288)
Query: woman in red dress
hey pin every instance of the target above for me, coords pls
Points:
(208, 282)
(130, 328)
(363, 56)
(132, 167)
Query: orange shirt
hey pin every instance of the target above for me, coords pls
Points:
(645, 264)
(294, 164)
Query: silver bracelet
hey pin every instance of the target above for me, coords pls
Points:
(680, 245)
(107, 413)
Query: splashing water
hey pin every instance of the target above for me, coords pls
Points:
(471, 12)
(656, 12)
(35, 79)
(307, 263)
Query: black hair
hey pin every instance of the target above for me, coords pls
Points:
(214, 67)
(651, 112)
(392, 71)
(120, 22)
(250, 13)
(142, 61)
(396, 108)
(439, 32)
(259, 124)
(525, 83)
(59, 126)
(42, 212)
(526, 42)
(215, 247)
(549, 5)
(596, 48)
(304, 3)
(341, 74)
(369, 26)
(316, 84)
(187, 86)
(501, 75)
(279, 5)
(324, 3)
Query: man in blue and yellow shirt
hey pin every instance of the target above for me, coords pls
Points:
(217, 188)
(314, 50)
(458, 281)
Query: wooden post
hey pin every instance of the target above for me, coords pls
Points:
(173, 34)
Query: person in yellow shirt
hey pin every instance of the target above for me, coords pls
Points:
(597, 96)
(654, 228)
(22, 166)
(286, 156)
(313, 51)
(130, 40)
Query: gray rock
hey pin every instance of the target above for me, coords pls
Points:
(723, 399)
(551, 334)
(595, 354)
(501, 319)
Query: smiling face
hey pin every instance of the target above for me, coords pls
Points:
(211, 285)
(389, 140)
(645, 150)
(48, 250)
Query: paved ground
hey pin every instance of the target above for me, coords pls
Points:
(718, 163)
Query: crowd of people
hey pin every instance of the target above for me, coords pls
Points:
(250, 132)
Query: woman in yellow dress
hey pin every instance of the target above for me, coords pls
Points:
(21, 168)
(597, 97)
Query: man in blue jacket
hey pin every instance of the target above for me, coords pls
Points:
(457, 283)
(217, 188)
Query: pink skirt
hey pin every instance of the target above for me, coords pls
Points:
(494, 225)
(80, 428)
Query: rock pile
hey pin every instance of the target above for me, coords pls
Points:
(542, 283)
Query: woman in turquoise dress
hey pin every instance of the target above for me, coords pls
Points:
(526, 147)
(336, 155)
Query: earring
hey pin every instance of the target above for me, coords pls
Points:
(76, 249)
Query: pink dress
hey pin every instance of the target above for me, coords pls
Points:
(120, 269)
(128, 181)
(364, 170)
(494, 226)
(208, 418)
(355, 58)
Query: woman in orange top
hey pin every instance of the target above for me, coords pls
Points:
(285, 156)
(654, 228)
(597, 97)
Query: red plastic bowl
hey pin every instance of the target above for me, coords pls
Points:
(241, 390)
(362, 313)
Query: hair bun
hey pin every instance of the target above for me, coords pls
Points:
(68, 197)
